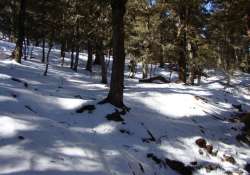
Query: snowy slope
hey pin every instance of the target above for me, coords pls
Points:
(41, 133)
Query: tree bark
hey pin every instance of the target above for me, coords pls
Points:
(144, 70)
(47, 59)
(62, 52)
(97, 55)
(43, 54)
(19, 44)
(103, 63)
(248, 22)
(28, 48)
(90, 57)
(182, 59)
(77, 46)
(182, 42)
(25, 50)
(31, 51)
(115, 96)
(76, 58)
(72, 57)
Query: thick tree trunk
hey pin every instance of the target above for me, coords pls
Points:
(115, 95)
(20, 39)
(182, 62)
(90, 57)
(47, 59)
(182, 41)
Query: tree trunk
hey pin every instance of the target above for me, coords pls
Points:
(103, 63)
(13, 30)
(25, 50)
(97, 55)
(72, 57)
(90, 57)
(144, 70)
(192, 74)
(248, 22)
(115, 95)
(182, 59)
(19, 44)
(37, 42)
(162, 64)
(47, 59)
(31, 51)
(43, 54)
(182, 42)
(76, 58)
(28, 48)
(62, 53)
(77, 46)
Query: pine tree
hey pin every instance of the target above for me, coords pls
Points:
(18, 53)
(115, 96)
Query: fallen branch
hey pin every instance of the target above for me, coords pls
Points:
(153, 79)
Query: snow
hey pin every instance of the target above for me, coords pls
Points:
(41, 133)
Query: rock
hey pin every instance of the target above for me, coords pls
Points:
(125, 131)
(200, 152)
(201, 143)
(194, 163)
(116, 117)
(229, 159)
(247, 167)
(238, 172)
(89, 108)
(179, 167)
(78, 96)
(21, 137)
(229, 173)
(215, 153)
(154, 158)
(234, 120)
(233, 128)
(239, 107)
(25, 84)
(14, 95)
(211, 167)
(209, 149)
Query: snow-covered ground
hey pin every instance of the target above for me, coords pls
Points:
(41, 133)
